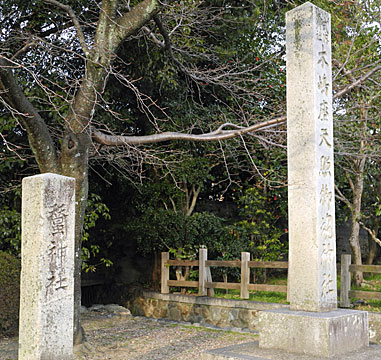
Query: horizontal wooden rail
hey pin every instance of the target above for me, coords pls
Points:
(269, 264)
(223, 285)
(365, 268)
(234, 263)
(205, 282)
(369, 295)
(183, 262)
(182, 283)
(265, 287)
(223, 263)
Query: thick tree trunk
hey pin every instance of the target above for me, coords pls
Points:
(373, 249)
(354, 242)
(74, 162)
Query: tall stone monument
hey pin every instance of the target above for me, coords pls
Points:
(47, 268)
(313, 324)
(311, 201)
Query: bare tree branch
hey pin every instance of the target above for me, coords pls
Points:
(167, 43)
(23, 49)
(76, 23)
(195, 193)
(339, 195)
(371, 232)
(217, 135)
(356, 83)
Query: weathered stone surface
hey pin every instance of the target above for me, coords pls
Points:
(251, 351)
(318, 334)
(313, 326)
(374, 328)
(223, 313)
(174, 312)
(185, 312)
(47, 273)
(311, 205)
(111, 309)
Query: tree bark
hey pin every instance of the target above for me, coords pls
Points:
(74, 163)
(373, 245)
(356, 250)
(373, 249)
(354, 239)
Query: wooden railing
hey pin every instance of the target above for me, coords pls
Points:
(345, 288)
(205, 283)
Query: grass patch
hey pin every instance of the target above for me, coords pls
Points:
(370, 305)
(262, 296)
(372, 282)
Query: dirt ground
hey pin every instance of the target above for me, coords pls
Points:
(116, 337)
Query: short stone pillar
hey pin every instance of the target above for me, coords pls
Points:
(47, 268)
(312, 325)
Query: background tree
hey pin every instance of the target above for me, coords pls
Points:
(357, 121)
(56, 63)
(61, 62)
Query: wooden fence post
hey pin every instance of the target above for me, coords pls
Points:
(245, 275)
(345, 281)
(202, 273)
(164, 273)
(209, 291)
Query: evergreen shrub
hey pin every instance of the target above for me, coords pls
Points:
(9, 294)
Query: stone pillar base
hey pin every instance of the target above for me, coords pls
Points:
(318, 334)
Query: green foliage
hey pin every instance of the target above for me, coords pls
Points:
(10, 230)
(164, 230)
(188, 252)
(262, 296)
(12, 168)
(95, 209)
(9, 294)
(260, 230)
(207, 230)
(377, 206)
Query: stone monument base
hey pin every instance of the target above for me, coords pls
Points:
(251, 351)
(323, 334)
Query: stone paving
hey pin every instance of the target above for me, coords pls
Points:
(116, 336)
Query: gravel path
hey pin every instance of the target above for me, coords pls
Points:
(115, 337)
(141, 338)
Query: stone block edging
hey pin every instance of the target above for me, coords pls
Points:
(224, 313)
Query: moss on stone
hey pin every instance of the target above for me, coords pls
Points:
(298, 26)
